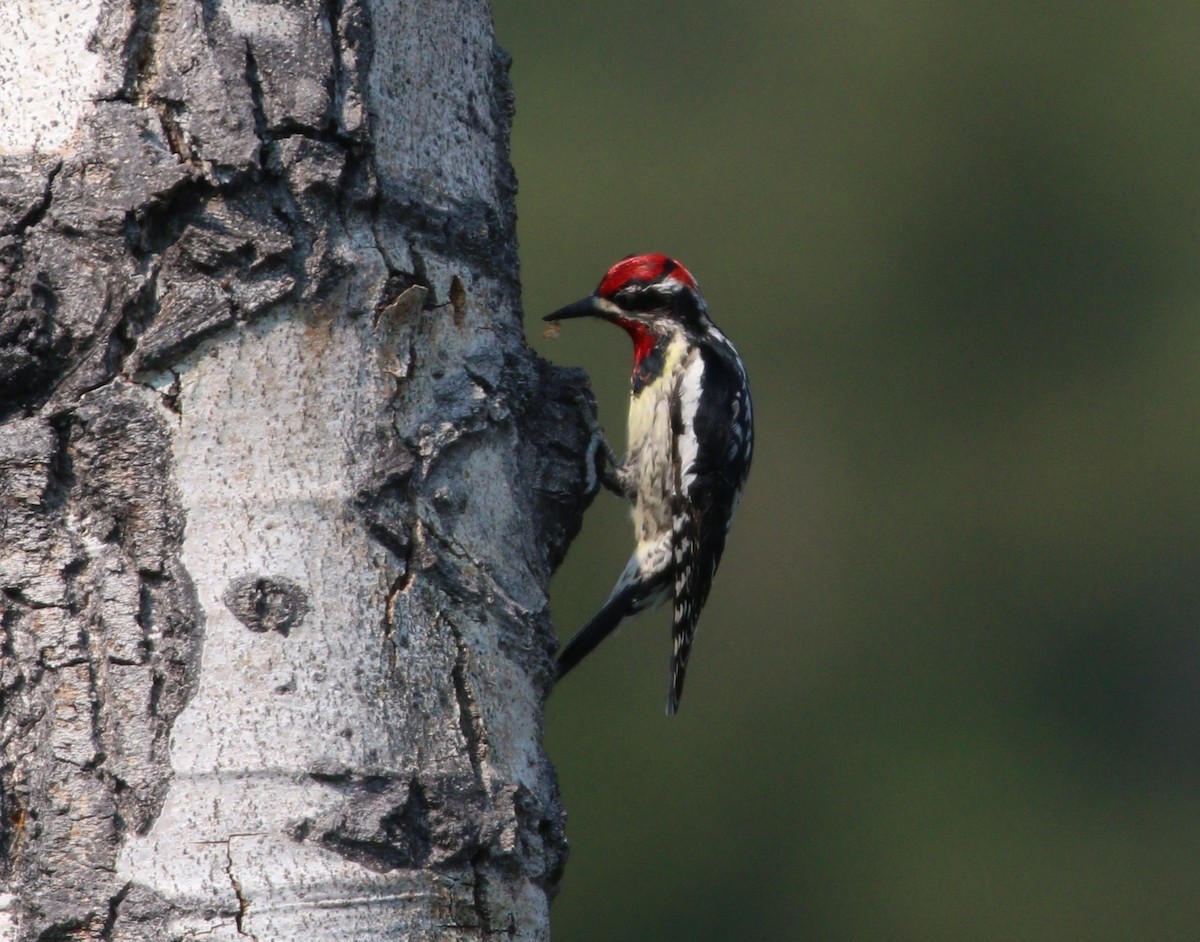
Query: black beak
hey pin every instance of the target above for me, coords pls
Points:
(588, 307)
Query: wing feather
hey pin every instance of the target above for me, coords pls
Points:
(710, 424)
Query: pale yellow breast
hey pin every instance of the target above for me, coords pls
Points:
(650, 452)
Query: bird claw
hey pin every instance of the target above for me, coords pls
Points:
(600, 470)
(592, 484)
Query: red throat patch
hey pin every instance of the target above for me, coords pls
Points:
(643, 339)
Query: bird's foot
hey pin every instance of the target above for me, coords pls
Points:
(603, 466)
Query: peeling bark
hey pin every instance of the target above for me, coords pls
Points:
(281, 485)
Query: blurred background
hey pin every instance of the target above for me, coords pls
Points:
(947, 686)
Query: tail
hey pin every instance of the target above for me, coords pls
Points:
(642, 585)
(683, 633)
(619, 607)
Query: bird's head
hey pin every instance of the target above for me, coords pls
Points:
(648, 295)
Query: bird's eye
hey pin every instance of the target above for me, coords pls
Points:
(641, 297)
(629, 297)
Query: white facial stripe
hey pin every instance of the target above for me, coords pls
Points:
(608, 307)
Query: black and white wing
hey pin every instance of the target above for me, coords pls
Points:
(713, 429)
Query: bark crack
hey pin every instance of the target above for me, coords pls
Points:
(284, 202)
(469, 720)
(95, 666)
(37, 212)
(333, 14)
(391, 617)
(173, 133)
(114, 906)
(493, 590)
(239, 918)
(258, 106)
(139, 52)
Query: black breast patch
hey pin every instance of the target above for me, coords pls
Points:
(649, 368)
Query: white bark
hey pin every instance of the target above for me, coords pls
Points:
(50, 74)
(282, 485)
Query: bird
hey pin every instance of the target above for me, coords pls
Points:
(690, 441)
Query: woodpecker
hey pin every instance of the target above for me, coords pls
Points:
(691, 433)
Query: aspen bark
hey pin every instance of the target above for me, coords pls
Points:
(281, 485)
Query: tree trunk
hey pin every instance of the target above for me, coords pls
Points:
(281, 486)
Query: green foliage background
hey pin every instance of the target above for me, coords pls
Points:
(948, 684)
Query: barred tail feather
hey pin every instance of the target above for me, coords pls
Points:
(682, 636)
(687, 603)
(693, 579)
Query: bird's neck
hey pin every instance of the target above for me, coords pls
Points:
(644, 339)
